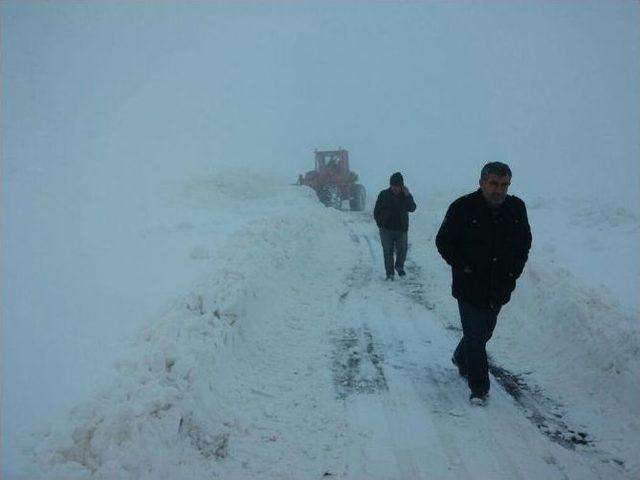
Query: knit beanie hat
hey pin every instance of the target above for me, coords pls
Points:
(396, 179)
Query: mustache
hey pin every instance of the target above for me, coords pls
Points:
(497, 197)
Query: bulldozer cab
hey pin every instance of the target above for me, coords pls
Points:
(335, 161)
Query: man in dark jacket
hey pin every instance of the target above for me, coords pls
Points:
(392, 217)
(485, 238)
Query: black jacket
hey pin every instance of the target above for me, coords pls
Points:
(494, 244)
(392, 211)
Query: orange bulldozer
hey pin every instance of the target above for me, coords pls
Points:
(333, 181)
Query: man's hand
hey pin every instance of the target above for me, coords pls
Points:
(405, 190)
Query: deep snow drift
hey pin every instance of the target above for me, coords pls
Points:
(178, 396)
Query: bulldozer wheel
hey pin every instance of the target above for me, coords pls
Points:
(330, 196)
(359, 196)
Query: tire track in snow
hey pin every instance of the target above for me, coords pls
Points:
(448, 446)
(433, 418)
(439, 414)
(390, 402)
(547, 414)
(360, 379)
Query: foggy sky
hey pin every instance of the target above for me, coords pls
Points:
(153, 90)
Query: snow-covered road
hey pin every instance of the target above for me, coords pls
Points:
(296, 360)
(408, 404)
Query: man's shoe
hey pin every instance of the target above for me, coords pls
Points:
(401, 272)
(478, 399)
(390, 278)
(461, 371)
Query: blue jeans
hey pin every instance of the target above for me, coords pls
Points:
(471, 353)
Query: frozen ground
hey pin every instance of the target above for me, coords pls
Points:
(288, 356)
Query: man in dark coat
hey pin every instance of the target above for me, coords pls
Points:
(485, 238)
(392, 217)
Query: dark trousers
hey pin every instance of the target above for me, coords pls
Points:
(471, 353)
(393, 240)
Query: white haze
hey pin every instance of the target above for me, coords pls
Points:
(109, 106)
(435, 89)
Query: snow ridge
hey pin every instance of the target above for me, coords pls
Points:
(176, 408)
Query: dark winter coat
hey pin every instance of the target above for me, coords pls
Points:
(494, 244)
(392, 211)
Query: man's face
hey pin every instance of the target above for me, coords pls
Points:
(494, 188)
(396, 189)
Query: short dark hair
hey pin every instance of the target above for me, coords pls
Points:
(497, 168)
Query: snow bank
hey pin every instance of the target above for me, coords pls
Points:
(596, 239)
(174, 410)
(574, 320)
